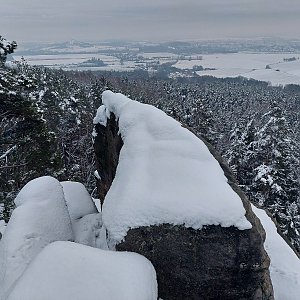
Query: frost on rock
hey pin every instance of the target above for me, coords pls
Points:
(65, 270)
(285, 265)
(41, 217)
(165, 174)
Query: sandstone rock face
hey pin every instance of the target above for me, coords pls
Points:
(211, 263)
(107, 146)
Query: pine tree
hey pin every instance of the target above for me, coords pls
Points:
(26, 145)
(275, 184)
(241, 154)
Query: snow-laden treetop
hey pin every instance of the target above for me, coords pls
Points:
(165, 174)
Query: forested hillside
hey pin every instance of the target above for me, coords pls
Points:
(46, 129)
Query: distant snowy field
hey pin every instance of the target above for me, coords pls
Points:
(71, 61)
(249, 65)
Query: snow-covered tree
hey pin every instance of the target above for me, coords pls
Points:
(275, 184)
(26, 145)
(6, 47)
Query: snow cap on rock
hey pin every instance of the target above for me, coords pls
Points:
(165, 174)
(41, 217)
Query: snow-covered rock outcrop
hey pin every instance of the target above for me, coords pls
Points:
(41, 217)
(37, 261)
(171, 202)
(168, 196)
(65, 270)
(165, 174)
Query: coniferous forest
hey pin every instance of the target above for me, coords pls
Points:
(46, 129)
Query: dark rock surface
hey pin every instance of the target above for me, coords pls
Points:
(212, 263)
(107, 146)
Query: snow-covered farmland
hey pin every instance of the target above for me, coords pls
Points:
(75, 61)
(260, 66)
(270, 67)
(66, 60)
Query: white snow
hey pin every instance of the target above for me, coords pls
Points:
(87, 231)
(94, 134)
(4, 155)
(85, 219)
(285, 265)
(101, 117)
(78, 199)
(40, 218)
(73, 61)
(246, 64)
(2, 226)
(249, 65)
(273, 76)
(240, 60)
(97, 203)
(165, 175)
(64, 59)
(96, 174)
(263, 174)
(65, 270)
(159, 55)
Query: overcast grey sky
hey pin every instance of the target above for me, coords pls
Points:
(57, 20)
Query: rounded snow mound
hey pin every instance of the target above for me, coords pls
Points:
(78, 200)
(41, 217)
(85, 219)
(65, 270)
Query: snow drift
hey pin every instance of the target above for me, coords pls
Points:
(285, 265)
(2, 227)
(165, 174)
(65, 270)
